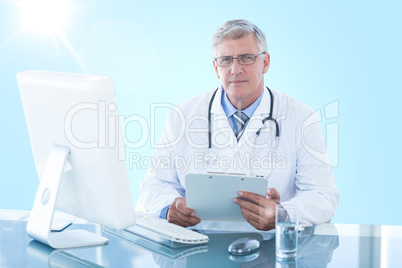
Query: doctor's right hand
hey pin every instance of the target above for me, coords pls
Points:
(181, 215)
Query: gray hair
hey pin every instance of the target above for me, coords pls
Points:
(236, 29)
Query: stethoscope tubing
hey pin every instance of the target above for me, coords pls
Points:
(270, 117)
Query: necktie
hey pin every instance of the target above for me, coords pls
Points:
(240, 119)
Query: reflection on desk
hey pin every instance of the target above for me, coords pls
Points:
(41, 255)
(321, 246)
(313, 251)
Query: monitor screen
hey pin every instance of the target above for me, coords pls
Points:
(78, 112)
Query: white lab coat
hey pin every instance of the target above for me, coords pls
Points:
(298, 168)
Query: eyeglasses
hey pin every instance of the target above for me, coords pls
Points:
(245, 59)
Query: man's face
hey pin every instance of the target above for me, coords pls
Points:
(243, 83)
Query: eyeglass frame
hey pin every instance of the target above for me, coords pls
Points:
(238, 60)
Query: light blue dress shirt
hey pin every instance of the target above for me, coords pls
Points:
(229, 109)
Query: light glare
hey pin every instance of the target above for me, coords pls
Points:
(44, 16)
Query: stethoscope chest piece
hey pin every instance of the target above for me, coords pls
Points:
(211, 157)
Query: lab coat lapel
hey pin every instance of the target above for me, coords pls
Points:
(221, 130)
(216, 104)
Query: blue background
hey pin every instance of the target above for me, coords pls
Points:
(343, 52)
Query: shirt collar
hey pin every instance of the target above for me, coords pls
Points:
(230, 109)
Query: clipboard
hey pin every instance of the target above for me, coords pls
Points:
(211, 195)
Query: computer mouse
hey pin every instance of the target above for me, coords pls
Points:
(243, 246)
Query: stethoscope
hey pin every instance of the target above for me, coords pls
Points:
(211, 156)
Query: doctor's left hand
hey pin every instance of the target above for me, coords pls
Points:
(260, 213)
(181, 215)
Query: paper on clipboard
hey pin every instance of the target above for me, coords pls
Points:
(211, 195)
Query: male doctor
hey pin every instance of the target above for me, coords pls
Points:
(255, 130)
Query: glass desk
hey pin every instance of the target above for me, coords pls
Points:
(327, 245)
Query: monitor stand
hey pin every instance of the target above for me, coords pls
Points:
(40, 220)
(41, 255)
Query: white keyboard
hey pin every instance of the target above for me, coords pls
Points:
(169, 231)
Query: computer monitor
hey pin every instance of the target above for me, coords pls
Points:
(79, 155)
